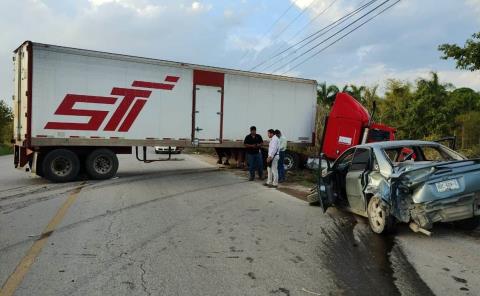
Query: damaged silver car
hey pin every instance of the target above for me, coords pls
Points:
(415, 182)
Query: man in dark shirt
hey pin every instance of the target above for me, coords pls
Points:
(253, 143)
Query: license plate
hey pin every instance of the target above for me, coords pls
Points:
(447, 185)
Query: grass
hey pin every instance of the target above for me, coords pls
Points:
(303, 177)
(6, 149)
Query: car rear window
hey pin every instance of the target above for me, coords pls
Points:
(432, 154)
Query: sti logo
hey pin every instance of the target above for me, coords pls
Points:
(137, 97)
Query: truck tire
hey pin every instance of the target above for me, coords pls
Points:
(101, 164)
(291, 161)
(60, 165)
(379, 218)
(468, 224)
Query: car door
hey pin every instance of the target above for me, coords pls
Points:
(356, 179)
(329, 186)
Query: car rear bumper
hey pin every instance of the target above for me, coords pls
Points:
(446, 210)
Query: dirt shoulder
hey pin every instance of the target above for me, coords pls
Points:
(298, 183)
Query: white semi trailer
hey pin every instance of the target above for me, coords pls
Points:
(77, 108)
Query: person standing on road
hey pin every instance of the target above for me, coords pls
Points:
(253, 142)
(283, 147)
(272, 160)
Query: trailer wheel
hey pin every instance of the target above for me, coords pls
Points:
(101, 164)
(60, 165)
(291, 161)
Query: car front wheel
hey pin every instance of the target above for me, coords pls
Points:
(379, 218)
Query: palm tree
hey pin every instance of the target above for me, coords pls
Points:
(326, 94)
(356, 91)
(370, 96)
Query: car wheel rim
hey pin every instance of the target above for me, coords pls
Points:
(102, 165)
(61, 166)
(377, 216)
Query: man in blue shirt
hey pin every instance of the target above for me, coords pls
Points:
(253, 142)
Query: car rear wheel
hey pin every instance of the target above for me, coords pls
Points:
(60, 165)
(379, 218)
(101, 164)
(468, 224)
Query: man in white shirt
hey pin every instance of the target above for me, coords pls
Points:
(283, 147)
(272, 160)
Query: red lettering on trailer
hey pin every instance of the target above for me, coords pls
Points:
(134, 98)
(66, 108)
(129, 96)
(172, 79)
(155, 85)
(127, 123)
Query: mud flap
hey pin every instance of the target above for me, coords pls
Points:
(22, 156)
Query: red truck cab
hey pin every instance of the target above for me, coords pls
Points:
(350, 124)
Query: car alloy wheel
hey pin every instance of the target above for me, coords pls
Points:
(379, 217)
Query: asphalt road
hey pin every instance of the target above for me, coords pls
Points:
(187, 228)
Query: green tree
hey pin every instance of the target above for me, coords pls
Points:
(6, 123)
(461, 101)
(429, 112)
(468, 131)
(326, 94)
(370, 96)
(395, 108)
(467, 57)
(355, 91)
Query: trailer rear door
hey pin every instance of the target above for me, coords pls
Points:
(20, 97)
(208, 100)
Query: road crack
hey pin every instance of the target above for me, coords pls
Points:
(142, 277)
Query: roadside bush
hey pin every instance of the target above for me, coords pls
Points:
(472, 152)
(6, 128)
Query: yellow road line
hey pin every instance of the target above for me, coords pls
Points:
(16, 278)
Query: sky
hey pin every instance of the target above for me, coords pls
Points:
(241, 34)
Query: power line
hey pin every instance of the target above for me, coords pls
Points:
(343, 36)
(272, 26)
(312, 20)
(331, 36)
(296, 18)
(329, 27)
(294, 36)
